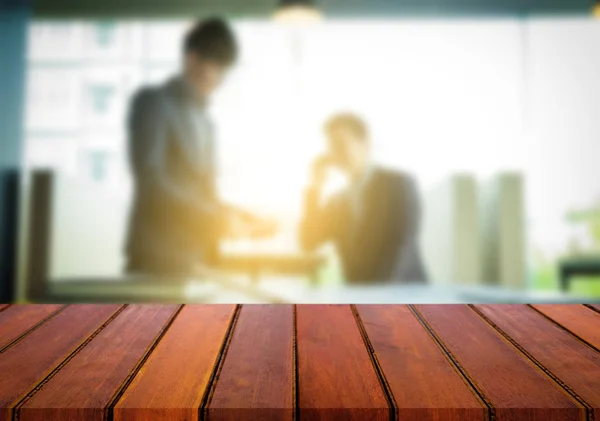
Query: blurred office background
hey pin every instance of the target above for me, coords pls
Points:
(490, 105)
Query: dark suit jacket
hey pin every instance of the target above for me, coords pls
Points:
(381, 245)
(176, 216)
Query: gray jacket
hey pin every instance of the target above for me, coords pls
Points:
(175, 215)
(381, 244)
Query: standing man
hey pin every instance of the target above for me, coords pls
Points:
(177, 218)
(374, 223)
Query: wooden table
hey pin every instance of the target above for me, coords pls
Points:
(285, 362)
(255, 265)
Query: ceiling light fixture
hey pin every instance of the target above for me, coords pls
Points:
(297, 11)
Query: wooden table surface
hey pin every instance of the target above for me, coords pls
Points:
(302, 362)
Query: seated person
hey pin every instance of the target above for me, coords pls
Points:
(374, 222)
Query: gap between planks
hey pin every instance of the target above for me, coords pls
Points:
(387, 390)
(593, 307)
(576, 336)
(31, 329)
(214, 378)
(108, 410)
(589, 410)
(491, 410)
(295, 380)
(16, 408)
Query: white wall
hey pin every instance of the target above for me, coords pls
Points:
(88, 229)
(563, 130)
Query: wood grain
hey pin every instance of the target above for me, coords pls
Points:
(336, 377)
(579, 319)
(515, 387)
(171, 384)
(256, 380)
(575, 364)
(85, 386)
(17, 320)
(409, 356)
(29, 361)
(369, 362)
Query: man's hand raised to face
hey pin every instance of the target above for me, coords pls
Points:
(319, 169)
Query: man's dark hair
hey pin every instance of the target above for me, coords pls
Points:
(348, 120)
(212, 39)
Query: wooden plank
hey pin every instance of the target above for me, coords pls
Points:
(596, 307)
(408, 355)
(566, 358)
(256, 381)
(17, 320)
(87, 384)
(578, 319)
(172, 383)
(510, 383)
(29, 361)
(336, 377)
(3, 306)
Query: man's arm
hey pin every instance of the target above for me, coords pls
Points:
(149, 131)
(317, 224)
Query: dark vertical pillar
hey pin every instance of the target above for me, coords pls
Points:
(14, 18)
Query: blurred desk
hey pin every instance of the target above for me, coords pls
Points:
(236, 290)
(255, 265)
(415, 294)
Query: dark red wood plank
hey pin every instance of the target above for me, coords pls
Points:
(171, 384)
(336, 377)
(256, 380)
(574, 363)
(15, 321)
(3, 306)
(595, 306)
(409, 356)
(579, 319)
(85, 386)
(516, 388)
(29, 361)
